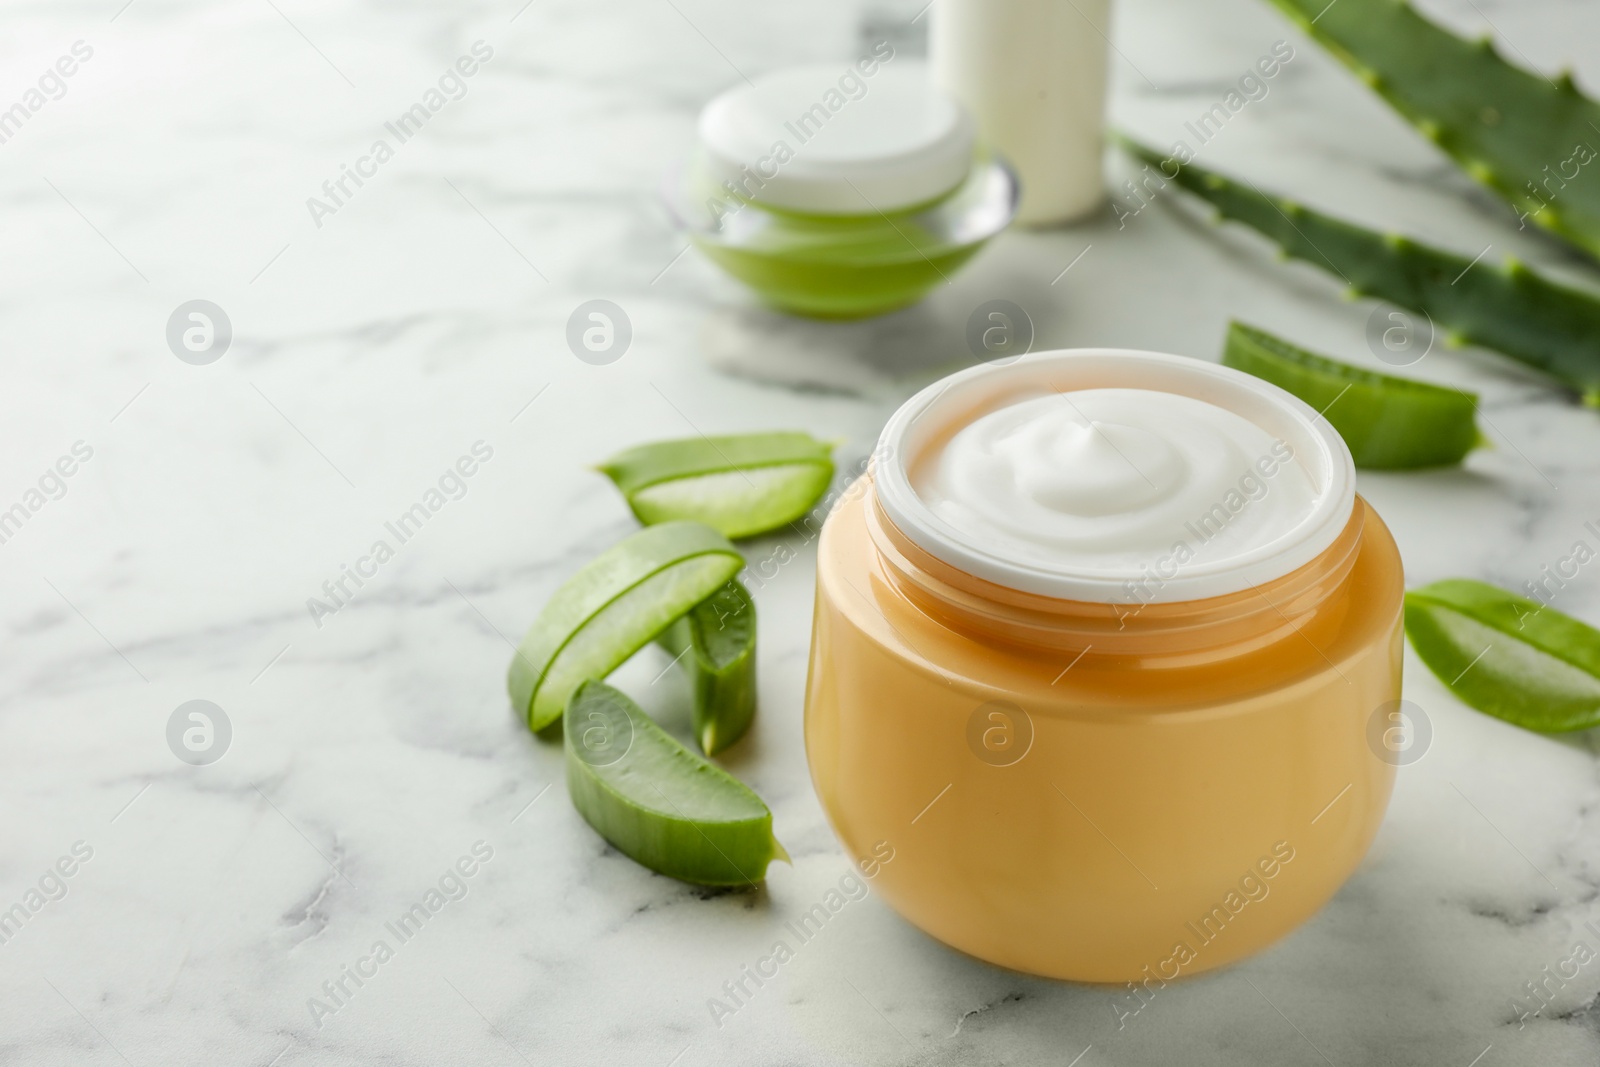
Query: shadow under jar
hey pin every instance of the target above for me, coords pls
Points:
(1116, 764)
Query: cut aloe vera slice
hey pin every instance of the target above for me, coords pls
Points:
(1506, 655)
(659, 803)
(742, 485)
(618, 603)
(1389, 423)
(716, 642)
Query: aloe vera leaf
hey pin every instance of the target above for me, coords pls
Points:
(1506, 655)
(618, 603)
(1512, 310)
(1526, 138)
(659, 803)
(1389, 423)
(716, 642)
(742, 484)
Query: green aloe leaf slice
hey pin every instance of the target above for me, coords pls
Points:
(716, 642)
(1389, 423)
(1506, 655)
(658, 803)
(618, 603)
(742, 485)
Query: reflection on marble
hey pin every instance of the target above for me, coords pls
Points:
(371, 753)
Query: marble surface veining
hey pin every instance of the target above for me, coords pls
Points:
(378, 341)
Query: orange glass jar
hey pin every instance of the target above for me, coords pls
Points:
(1123, 788)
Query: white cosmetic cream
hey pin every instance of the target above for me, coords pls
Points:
(1108, 480)
(1099, 474)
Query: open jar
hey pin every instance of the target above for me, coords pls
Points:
(840, 191)
(1098, 646)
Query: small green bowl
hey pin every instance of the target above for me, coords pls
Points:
(844, 266)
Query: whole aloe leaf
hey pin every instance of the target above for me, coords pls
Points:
(1511, 309)
(1527, 138)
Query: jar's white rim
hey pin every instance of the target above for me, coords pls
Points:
(1317, 446)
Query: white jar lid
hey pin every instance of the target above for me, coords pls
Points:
(929, 418)
(836, 140)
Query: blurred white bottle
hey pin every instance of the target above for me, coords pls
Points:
(1033, 74)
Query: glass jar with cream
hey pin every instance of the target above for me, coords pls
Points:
(840, 191)
(1097, 648)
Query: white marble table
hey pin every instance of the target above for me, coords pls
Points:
(372, 748)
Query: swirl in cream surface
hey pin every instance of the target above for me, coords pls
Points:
(1117, 482)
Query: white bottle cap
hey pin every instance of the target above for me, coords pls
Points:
(837, 140)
